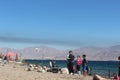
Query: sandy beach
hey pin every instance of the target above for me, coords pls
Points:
(15, 71)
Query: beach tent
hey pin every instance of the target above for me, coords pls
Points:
(9, 55)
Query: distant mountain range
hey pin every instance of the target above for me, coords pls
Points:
(43, 52)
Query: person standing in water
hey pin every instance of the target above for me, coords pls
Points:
(78, 62)
(119, 66)
(84, 66)
(70, 62)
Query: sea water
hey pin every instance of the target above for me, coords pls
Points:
(104, 68)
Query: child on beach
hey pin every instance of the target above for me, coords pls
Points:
(78, 62)
(84, 66)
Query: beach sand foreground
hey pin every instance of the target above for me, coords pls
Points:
(17, 72)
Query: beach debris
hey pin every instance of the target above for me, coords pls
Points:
(30, 67)
(64, 71)
(45, 68)
(97, 77)
(40, 69)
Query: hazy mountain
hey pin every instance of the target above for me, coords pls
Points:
(42, 52)
(99, 53)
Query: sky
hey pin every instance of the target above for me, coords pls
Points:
(62, 24)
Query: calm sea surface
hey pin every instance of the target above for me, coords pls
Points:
(105, 68)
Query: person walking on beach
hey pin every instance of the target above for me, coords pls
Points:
(70, 62)
(78, 62)
(119, 66)
(84, 66)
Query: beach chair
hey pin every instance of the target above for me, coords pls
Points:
(55, 70)
(54, 67)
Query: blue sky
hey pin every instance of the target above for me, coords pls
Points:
(63, 24)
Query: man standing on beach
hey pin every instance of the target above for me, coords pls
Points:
(84, 66)
(70, 63)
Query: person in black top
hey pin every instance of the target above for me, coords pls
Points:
(84, 66)
(119, 66)
(70, 62)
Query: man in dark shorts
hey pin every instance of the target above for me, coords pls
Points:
(84, 66)
(119, 66)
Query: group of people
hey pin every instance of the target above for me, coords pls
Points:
(79, 62)
(82, 62)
